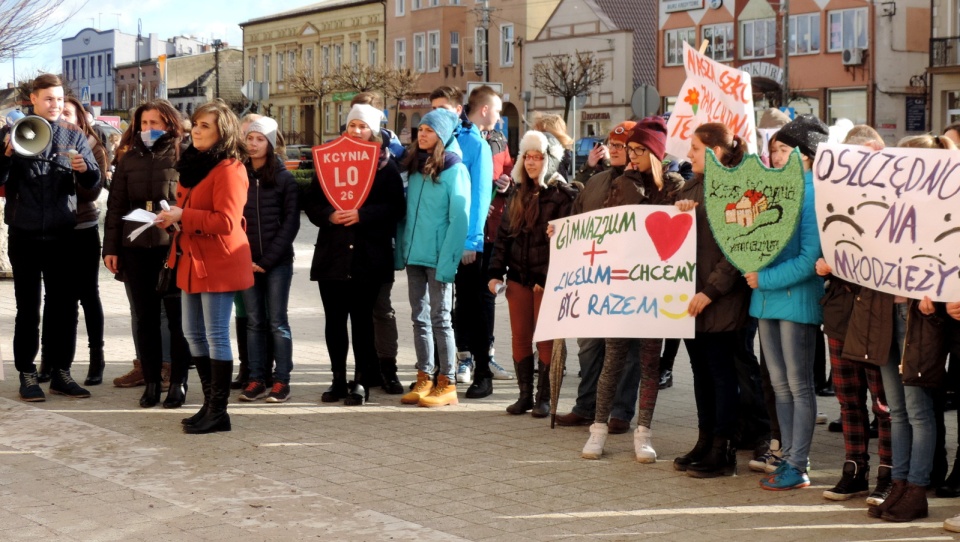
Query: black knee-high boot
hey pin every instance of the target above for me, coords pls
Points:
(203, 371)
(216, 417)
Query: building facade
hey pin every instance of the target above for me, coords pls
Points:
(851, 59)
(91, 56)
(463, 43)
(316, 39)
(944, 70)
(622, 35)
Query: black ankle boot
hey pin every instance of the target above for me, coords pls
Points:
(176, 395)
(524, 371)
(388, 373)
(95, 368)
(357, 393)
(337, 391)
(720, 460)
(151, 395)
(950, 489)
(696, 454)
(203, 371)
(541, 403)
(216, 417)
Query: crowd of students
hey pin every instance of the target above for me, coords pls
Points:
(466, 222)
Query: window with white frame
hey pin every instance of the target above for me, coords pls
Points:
(416, 4)
(327, 118)
(953, 107)
(433, 51)
(419, 52)
(720, 41)
(454, 2)
(847, 104)
(758, 38)
(401, 8)
(372, 52)
(66, 69)
(848, 29)
(279, 66)
(454, 48)
(308, 60)
(253, 68)
(506, 45)
(325, 59)
(337, 56)
(291, 62)
(354, 53)
(804, 34)
(434, 3)
(266, 67)
(109, 64)
(479, 46)
(400, 53)
(673, 44)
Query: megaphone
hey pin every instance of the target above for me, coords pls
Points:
(31, 136)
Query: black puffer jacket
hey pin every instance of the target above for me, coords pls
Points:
(525, 257)
(925, 347)
(273, 218)
(143, 178)
(41, 198)
(363, 251)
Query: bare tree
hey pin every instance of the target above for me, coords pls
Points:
(25, 24)
(400, 84)
(360, 78)
(306, 81)
(568, 76)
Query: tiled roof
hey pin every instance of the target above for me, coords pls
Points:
(319, 6)
(640, 16)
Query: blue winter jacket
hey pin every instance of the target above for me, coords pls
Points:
(435, 227)
(789, 288)
(479, 164)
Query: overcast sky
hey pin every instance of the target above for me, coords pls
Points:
(166, 18)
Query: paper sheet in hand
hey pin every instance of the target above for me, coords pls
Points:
(140, 215)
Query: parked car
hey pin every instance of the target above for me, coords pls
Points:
(299, 157)
(584, 146)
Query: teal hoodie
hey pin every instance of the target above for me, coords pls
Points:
(789, 288)
(435, 228)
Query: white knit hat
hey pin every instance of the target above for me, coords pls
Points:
(545, 144)
(265, 126)
(366, 114)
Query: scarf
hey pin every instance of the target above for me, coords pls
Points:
(194, 166)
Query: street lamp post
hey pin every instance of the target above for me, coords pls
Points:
(139, 72)
(217, 45)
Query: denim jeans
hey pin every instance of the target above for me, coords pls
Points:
(430, 304)
(591, 353)
(914, 431)
(206, 324)
(790, 349)
(266, 304)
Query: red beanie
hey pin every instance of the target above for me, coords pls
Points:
(651, 132)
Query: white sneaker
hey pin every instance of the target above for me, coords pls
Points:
(952, 524)
(769, 461)
(821, 418)
(643, 446)
(464, 367)
(499, 372)
(593, 449)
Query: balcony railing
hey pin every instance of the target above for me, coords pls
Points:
(944, 52)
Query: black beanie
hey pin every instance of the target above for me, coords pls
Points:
(806, 133)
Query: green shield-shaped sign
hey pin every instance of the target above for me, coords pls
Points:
(753, 210)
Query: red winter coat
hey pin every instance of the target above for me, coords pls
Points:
(215, 252)
(502, 165)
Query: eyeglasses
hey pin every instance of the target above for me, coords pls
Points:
(636, 151)
(617, 147)
(533, 157)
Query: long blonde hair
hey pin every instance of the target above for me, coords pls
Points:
(927, 141)
(554, 125)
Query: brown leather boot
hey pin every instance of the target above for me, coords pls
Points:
(899, 488)
(912, 505)
(132, 379)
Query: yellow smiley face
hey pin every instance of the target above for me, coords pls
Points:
(674, 315)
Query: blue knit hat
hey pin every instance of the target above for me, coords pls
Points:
(442, 121)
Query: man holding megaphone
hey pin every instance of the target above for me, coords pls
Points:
(44, 159)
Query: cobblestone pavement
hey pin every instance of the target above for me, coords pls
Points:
(104, 469)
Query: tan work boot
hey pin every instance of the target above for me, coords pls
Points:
(443, 394)
(132, 379)
(165, 376)
(423, 387)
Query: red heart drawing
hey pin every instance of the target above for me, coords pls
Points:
(668, 232)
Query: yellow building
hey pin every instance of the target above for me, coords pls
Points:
(315, 39)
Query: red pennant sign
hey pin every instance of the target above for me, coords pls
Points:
(346, 168)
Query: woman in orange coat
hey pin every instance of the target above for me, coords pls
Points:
(212, 259)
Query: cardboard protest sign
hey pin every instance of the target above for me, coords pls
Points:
(888, 219)
(712, 92)
(753, 210)
(625, 272)
(345, 168)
